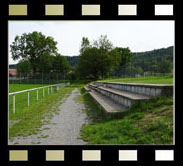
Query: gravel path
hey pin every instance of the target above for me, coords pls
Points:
(64, 128)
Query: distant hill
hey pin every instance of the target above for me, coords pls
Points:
(73, 60)
(137, 58)
(154, 54)
(145, 59)
(12, 66)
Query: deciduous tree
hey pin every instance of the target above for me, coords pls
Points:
(34, 47)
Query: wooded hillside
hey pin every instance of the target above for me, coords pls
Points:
(140, 57)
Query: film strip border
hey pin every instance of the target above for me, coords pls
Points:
(90, 10)
(89, 155)
(24, 9)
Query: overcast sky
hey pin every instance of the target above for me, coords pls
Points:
(137, 35)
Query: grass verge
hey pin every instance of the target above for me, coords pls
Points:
(147, 80)
(149, 122)
(38, 114)
(21, 99)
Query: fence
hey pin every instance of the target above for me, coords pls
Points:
(49, 90)
(133, 69)
(37, 78)
(144, 74)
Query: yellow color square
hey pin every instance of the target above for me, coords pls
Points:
(54, 10)
(90, 9)
(18, 155)
(54, 155)
(15, 10)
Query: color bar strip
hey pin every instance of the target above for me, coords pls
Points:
(164, 155)
(163, 10)
(127, 155)
(127, 10)
(54, 155)
(91, 155)
(90, 10)
(15, 10)
(18, 155)
(52, 10)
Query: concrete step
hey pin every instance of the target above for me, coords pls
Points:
(122, 97)
(93, 86)
(139, 88)
(86, 88)
(106, 103)
(129, 95)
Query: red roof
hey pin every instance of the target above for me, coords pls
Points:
(13, 72)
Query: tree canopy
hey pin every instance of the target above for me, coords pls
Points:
(24, 67)
(99, 59)
(36, 48)
(38, 53)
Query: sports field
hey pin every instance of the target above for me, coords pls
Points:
(145, 80)
(21, 99)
